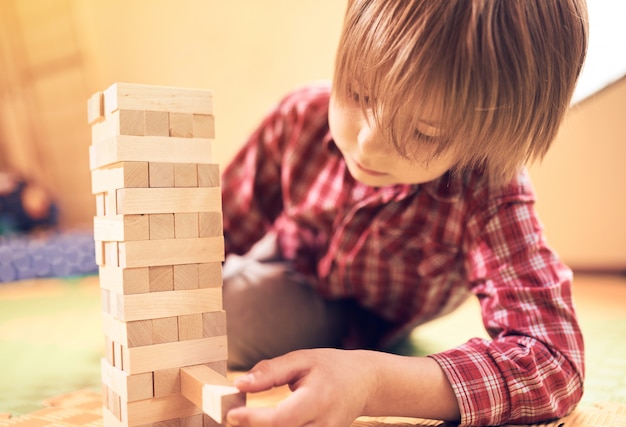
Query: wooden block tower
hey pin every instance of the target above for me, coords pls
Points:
(159, 247)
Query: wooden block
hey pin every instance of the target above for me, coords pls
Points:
(166, 382)
(139, 387)
(186, 276)
(132, 122)
(208, 175)
(99, 252)
(115, 302)
(142, 253)
(181, 125)
(161, 278)
(136, 227)
(210, 224)
(168, 303)
(138, 333)
(121, 227)
(109, 349)
(100, 205)
(186, 225)
(161, 174)
(214, 324)
(110, 203)
(114, 330)
(157, 123)
(168, 200)
(110, 420)
(103, 130)
(129, 148)
(118, 355)
(129, 96)
(125, 280)
(120, 175)
(121, 122)
(162, 226)
(129, 388)
(210, 275)
(150, 411)
(185, 175)
(111, 254)
(114, 403)
(210, 391)
(95, 108)
(99, 154)
(190, 327)
(194, 377)
(203, 126)
(105, 300)
(175, 354)
(165, 330)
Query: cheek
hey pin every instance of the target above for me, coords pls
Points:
(343, 126)
(337, 127)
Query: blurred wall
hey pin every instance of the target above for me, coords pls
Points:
(55, 53)
(581, 184)
(249, 52)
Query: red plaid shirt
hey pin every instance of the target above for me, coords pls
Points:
(411, 253)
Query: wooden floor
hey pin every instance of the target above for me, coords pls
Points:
(600, 301)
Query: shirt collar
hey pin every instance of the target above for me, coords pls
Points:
(446, 188)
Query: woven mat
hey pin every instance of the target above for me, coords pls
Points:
(83, 408)
(35, 318)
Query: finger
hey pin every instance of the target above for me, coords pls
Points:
(291, 412)
(247, 417)
(271, 373)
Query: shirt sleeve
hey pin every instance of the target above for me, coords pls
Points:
(251, 190)
(532, 370)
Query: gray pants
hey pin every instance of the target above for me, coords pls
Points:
(272, 310)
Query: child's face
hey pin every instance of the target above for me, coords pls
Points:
(372, 159)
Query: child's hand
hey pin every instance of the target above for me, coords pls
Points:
(330, 388)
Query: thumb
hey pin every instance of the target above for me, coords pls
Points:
(270, 373)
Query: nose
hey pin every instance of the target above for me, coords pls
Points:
(370, 140)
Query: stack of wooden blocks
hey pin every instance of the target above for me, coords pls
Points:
(159, 247)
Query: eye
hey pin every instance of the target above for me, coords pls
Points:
(356, 97)
(420, 136)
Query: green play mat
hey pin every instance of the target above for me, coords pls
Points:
(50, 341)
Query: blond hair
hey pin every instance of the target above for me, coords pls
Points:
(503, 72)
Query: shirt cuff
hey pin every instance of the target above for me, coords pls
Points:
(478, 385)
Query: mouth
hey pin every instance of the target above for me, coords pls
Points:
(368, 171)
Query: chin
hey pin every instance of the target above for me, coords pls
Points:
(372, 181)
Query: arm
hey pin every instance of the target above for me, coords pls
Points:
(333, 387)
(251, 190)
(533, 368)
(259, 182)
(530, 371)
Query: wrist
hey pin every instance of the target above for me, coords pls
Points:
(410, 387)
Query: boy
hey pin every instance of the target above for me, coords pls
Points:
(356, 213)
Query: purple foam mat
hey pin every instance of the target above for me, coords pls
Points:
(62, 254)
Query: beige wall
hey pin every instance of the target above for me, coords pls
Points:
(249, 52)
(56, 53)
(581, 184)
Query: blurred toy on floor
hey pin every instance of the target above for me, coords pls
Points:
(31, 245)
